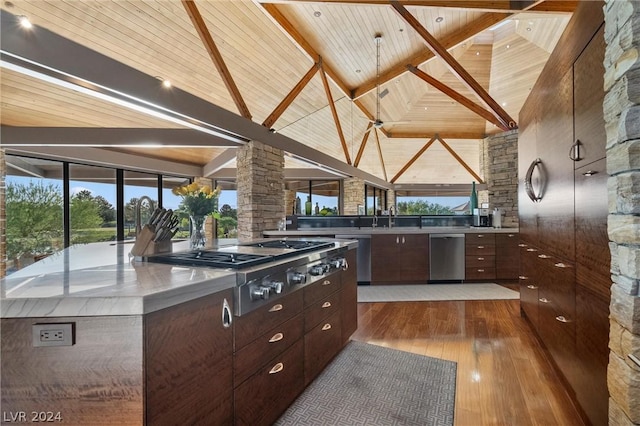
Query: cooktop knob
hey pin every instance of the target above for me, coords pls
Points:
(317, 270)
(276, 286)
(336, 263)
(259, 292)
(297, 278)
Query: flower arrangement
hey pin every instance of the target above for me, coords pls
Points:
(198, 200)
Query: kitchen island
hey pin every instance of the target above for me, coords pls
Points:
(91, 336)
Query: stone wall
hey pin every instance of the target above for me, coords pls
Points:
(290, 201)
(260, 185)
(353, 195)
(3, 217)
(499, 162)
(622, 121)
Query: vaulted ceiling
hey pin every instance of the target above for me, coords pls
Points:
(450, 73)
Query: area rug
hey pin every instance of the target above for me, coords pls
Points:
(372, 385)
(434, 292)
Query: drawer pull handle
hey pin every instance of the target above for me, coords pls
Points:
(276, 338)
(277, 368)
(522, 245)
(562, 318)
(326, 327)
(544, 256)
(276, 308)
(511, 235)
(561, 265)
(531, 287)
(544, 300)
(480, 270)
(326, 305)
(481, 258)
(522, 277)
(480, 236)
(531, 249)
(480, 247)
(326, 282)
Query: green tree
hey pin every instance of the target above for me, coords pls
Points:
(417, 207)
(105, 209)
(34, 218)
(227, 211)
(84, 212)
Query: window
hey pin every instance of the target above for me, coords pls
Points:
(320, 197)
(376, 200)
(432, 203)
(34, 209)
(136, 186)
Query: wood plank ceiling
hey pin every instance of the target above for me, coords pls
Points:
(451, 72)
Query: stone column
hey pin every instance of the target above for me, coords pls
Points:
(260, 185)
(622, 121)
(3, 216)
(353, 195)
(289, 201)
(499, 162)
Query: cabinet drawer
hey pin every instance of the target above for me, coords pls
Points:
(321, 288)
(480, 273)
(480, 250)
(480, 261)
(321, 309)
(262, 398)
(482, 239)
(254, 324)
(250, 358)
(320, 346)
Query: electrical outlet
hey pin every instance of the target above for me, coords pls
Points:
(53, 334)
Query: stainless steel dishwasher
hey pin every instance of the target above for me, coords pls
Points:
(446, 257)
(363, 256)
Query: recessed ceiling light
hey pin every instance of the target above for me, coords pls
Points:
(508, 46)
(504, 104)
(25, 22)
(358, 71)
(166, 84)
(528, 28)
(317, 14)
(439, 19)
(478, 53)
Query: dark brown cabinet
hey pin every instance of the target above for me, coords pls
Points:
(507, 256)
(399, 258)
(565, 257)
(188, 363)
(480, 256)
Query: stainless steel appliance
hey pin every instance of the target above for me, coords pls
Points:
(267, 269)
(446, 257)
(481, 217)
(364, 256)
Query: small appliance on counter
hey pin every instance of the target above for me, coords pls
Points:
(496, 218)
(481, 217)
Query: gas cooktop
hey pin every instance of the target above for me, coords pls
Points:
(241, 256)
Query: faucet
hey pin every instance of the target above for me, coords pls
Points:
(375, 221)
(392, 212)
(138, 205)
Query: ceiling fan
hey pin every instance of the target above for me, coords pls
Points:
(378, 123)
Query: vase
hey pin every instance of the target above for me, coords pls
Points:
(197, 240)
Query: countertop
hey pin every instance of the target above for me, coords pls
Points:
(395, 230)
(101, 279)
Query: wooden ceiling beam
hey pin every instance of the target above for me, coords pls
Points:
(304, 46)
(555, 6)
(384, 169)
(454, 66)
(482, 23)
(459, 159)
(462, 100)
(280, 109)
(368, 115)
(334, 112)
(216, 57)
(413, 159)
(365, 137)
(513, 6)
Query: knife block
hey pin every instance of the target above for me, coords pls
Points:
(145, 246)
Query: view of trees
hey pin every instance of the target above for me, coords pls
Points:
(419, 207)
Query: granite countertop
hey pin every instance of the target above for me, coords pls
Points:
(101, 279)
(394, 230)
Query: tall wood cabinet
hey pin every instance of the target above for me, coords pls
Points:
(564, 277)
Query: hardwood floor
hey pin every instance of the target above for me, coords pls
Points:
(503, 376)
